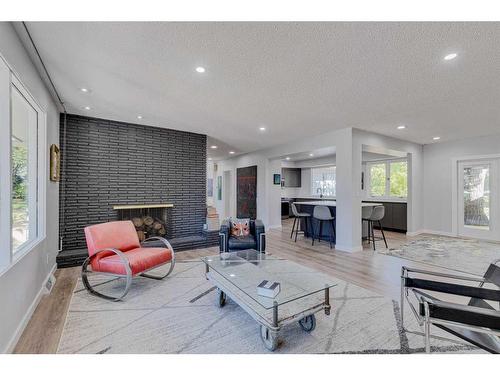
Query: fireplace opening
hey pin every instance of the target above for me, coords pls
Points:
(149, 220)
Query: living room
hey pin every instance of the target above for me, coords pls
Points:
(249, 187)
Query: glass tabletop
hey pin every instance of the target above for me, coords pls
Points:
(247, 269)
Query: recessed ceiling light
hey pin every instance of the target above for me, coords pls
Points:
(213, 146)
(311, 154)
(87, 108)
(231, 152)
(450, 56)
(287, 158)
(209, 158)
(139, 117)
(400, 127)
(200, 69)
(436, 138)
(262, 129)
(83, 89)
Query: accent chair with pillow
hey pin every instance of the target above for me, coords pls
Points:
(242, 234)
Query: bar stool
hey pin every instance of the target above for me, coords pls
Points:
(297, 216)
(375, 216)
(322, 213)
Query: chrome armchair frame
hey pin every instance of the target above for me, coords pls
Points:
(426, 300)
(128, 272)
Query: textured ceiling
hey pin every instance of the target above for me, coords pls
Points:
(296, 79)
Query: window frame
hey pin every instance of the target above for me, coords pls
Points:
(8, 257)
(313, 193)
(387, 195)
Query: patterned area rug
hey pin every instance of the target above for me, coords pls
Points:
(464, 255)
(179, 315)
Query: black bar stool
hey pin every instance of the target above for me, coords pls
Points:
(322, 213)
(297, 216)
(375, 216)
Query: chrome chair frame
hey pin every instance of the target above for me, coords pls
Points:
(426, 321)
(128, 275)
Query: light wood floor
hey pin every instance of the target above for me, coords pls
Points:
(379, 273)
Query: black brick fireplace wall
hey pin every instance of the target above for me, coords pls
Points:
(106, 163)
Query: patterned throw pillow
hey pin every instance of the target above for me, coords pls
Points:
(240, 227)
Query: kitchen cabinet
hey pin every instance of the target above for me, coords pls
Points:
(285, 209)
(395, 216)
(291, 177)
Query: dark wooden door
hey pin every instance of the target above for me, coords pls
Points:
(246, 192)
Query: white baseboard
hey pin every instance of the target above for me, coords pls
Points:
(26, 318)
(348, 249)
(277, 226)
(430, 231)
(416, 233)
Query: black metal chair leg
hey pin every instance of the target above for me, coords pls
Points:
(297, 229)
(312, 232)
(334, 236)
(383, 235)
(293, 226)
(331, 236)
(373, 236)
(320, 230)
(334, 224)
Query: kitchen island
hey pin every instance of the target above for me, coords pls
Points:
(326, 230)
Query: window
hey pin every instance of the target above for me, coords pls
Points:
(388, 179)
(323, 181)
(23, 162)
(24, 155)
(377, 180)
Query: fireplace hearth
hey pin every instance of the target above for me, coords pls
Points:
(150, 220)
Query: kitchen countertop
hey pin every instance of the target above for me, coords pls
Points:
(334, 204)
(333, 199)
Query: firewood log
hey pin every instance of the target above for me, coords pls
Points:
(148, 220)
(138, 222)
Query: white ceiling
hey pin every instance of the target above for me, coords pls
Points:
(296, 79)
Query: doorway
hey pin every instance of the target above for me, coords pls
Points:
(478, 199)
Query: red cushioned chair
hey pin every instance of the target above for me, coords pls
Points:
(114, 250)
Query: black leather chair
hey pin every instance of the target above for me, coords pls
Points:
(477, 322)
(256, 240)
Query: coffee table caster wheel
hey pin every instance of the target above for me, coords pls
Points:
(269, 338)
(308, 323)
(221, 298)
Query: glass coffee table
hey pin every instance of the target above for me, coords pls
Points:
(303, 291)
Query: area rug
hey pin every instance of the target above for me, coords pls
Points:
(458, 254)
(180, 315)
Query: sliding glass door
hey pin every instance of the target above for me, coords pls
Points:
(478, 199)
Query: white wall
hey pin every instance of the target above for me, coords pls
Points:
(269, 161)
(304, 191)
(21, 284)
(210, 175)
(437, 195)
(381, 144)
(268, 194)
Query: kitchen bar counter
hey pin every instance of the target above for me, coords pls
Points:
(326, 230)
(334, 203)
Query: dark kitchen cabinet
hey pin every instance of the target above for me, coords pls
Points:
(399, 216)
(292, 177)
(395, 216)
